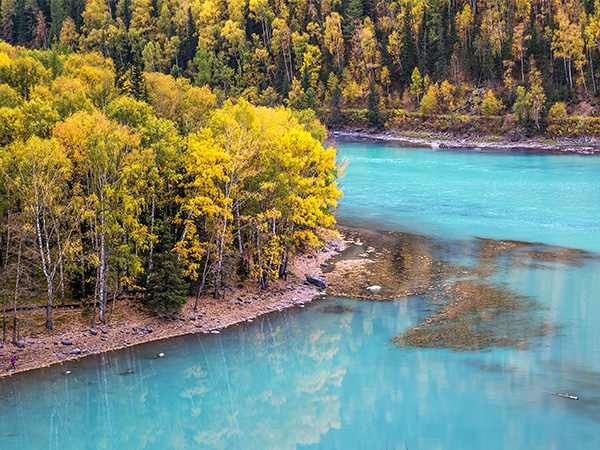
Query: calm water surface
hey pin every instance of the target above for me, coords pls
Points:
(314, 379)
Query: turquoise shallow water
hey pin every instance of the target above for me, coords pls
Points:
(312, 379)
(453, 194)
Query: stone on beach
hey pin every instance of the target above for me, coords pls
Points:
(317, 281)
(374, 288)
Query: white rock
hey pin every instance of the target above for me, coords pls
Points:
(374, 288)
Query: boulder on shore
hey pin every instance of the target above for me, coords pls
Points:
(317, 281)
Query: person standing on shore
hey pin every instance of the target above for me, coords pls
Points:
(13, 360)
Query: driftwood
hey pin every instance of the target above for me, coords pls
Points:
(569, 396)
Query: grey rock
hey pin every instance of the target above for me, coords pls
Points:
(75, 351)
(324, 265)
(20, 344)
(30, 341)
(66, 342)
(93, 332)
(317, 281)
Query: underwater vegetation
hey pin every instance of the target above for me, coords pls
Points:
(465, 306)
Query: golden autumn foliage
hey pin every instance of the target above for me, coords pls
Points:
(262, 185)
(282, 52)
(106, 191)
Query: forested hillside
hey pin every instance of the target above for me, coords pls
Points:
(124, 166)
(435, 56)
(102, 194)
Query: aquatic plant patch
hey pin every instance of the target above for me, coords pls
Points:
(476, 316)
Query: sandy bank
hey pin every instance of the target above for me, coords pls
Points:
(130, 325)
(585, 146)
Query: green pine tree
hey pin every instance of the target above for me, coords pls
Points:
(167, 289)
(373, 113)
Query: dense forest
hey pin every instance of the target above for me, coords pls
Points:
(160, 145)
(537, 60)
(102, 194)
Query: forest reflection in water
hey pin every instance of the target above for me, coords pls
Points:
(465, 304)
(209, 391)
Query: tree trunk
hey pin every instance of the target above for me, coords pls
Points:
(60, 266)
(203, 282)
(4, 269)
(82, 256)
(45, 258)
(102, 269)
(584, 83)
(16, 292)
(219, 263)
(570, 77)
(237, 217)
(592, 71)
(522, 71)
(189, 216)
(151, 249)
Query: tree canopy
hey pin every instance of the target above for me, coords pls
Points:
(143, 187)
(281, 52)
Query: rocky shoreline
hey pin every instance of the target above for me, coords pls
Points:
(584, 146)
(138, 327)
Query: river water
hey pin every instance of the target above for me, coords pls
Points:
(518, 225)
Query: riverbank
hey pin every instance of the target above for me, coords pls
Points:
(131, 325)
(584, 146)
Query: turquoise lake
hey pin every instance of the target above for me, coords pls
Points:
(328, 377)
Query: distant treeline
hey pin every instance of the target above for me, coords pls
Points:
(336, 55)
(102, 193)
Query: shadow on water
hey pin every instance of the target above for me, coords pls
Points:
(336, 309)
(463, 305)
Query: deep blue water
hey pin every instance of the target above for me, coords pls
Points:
(312, 379)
